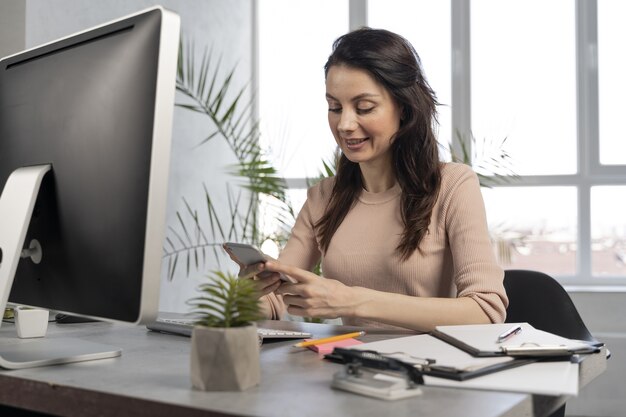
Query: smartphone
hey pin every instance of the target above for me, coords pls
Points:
(245, 254)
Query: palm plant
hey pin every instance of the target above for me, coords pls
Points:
(490, 160)
(232, 120)
(226, 301)
(329, 168)
(224, 343)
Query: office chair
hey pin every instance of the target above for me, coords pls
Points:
(538, 299)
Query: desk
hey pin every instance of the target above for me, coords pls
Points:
(151, 378)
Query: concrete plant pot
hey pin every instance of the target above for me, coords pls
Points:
(225, 359)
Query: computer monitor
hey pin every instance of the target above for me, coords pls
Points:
(85, 133)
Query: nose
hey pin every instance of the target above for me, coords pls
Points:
(347, 122)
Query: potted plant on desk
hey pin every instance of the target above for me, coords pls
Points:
(224, 342)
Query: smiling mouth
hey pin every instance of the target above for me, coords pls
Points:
(353, 142)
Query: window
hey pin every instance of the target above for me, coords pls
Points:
(426, 24)
(612, 88)
(292, 107)
(547, 76)
(524, 81)
(534, 227)
(523, 88)
(608, 245)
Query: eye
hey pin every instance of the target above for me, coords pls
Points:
(365, 110)
(334, 109)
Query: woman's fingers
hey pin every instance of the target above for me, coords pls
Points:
(267, 285)
(295, 300)
(250, 271)
(265, 281)
(298, 274)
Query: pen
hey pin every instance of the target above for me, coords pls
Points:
(329, 339)
(511, 332)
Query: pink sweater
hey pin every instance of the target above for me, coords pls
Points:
(456, 260)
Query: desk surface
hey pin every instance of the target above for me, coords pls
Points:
(151, 378)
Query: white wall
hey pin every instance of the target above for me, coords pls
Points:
(604, 314)
(224, 25)
(12, 17)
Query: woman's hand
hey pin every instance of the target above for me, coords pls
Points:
(265, 281)
(311, 295)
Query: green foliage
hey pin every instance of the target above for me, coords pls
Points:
(195, 237)
(313, 320)
(329, 168)
(226, 301)
(491, 161)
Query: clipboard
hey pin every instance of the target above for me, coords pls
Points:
(482, 340)
(437, 358)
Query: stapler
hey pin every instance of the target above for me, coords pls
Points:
(371, 374)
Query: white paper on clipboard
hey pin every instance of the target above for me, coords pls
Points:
(547, 378)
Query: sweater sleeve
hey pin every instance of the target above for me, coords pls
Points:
(476, 272)
(302, 248)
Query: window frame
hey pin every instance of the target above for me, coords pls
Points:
(590, 172)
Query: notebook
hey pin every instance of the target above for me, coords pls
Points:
(436, 358)
(184, 327)
(483, 340)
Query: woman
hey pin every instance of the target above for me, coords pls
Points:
(402, 237)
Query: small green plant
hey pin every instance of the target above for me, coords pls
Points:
(489, 159)
(226, 301)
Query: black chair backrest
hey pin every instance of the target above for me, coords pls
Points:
(538, 299)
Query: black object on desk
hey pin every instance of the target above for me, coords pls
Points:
(69, 319)
(423, 366)
(371, 359)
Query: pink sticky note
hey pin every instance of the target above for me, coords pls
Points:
(327, 348)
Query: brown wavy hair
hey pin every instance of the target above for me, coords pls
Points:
(393, 62)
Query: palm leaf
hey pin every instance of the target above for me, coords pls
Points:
(226, 301)
(493, 164)
(208, 91)
(329, 168)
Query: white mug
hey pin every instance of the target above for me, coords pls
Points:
(31, 322)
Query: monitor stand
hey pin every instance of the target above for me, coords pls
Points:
(16, 208)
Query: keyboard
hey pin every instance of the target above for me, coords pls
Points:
(184, 327)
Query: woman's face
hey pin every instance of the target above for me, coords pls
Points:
(362, 115)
